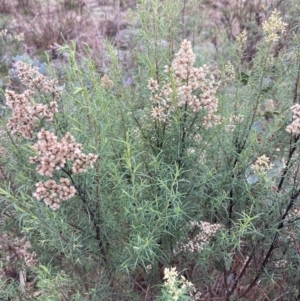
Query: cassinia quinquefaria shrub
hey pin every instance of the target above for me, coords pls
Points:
(29, 119)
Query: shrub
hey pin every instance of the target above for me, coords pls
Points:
(189, 168)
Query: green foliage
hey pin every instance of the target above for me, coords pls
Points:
(197, 169)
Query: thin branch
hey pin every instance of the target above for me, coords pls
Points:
(240, 276)
(89, 212)
(272, 246)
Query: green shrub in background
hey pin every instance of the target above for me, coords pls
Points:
(180, 184)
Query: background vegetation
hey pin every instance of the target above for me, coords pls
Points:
(149, 150)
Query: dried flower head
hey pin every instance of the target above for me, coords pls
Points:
(182, 92)
(242, 38)
(184, 60)
(262, 164)
(16, 250)
(203, 232)
(273, 26)
(153, 85)
(233, 121)
(159, 113)
(53, 193)
(229, 73)
(25, 113)
(281, 264)
(177, 286)
(54, 154)
(34, 80)
(294, 127)
(106, 82)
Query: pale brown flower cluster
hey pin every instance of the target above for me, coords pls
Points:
(228, 75)
(54, 154)
(294, 127)
(203, 233)
(106, 82)
(272, 26)
(34, 80)
(184, 61)
(161, 99)
(242, 39)
(153, 85)
(262, 164)
(25, 116)
(233, 121)
(54, 193)
(159, 113)
(16, 250)
(182, 92)
(281, 264)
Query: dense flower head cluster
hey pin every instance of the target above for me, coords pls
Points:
(162, 100)
(25, 116)
(281, 264)
(159, 113)
(234, 120)
(184, 61)
(177, 286)
(262, 164)
(54, 193)
(25, 112)
(294, 127)
(242, 39)
(153, 85)
(106, 82)
(228, 73)
(34, 80)
(204, 232)
(273, 26)
(187, 80)
(16, 250)
(54, 154)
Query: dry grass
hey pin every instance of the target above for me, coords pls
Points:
(56, 22)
